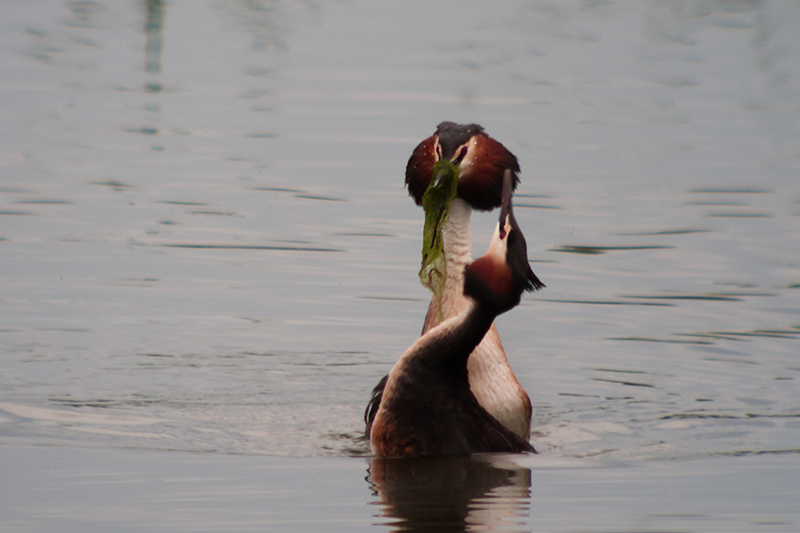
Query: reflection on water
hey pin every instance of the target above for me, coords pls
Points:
(463, 493)
(154, 27)
(154, 30)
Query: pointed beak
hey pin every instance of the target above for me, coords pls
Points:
(506, 209)
(441, 173)
(517, 254)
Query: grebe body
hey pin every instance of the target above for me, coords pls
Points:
(427, 406)
(483, 162)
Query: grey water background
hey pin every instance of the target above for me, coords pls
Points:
(208, 259)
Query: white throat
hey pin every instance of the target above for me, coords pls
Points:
(457, 241)
(458, 254)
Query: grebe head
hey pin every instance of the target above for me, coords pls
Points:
(482, 162)
(498, 279)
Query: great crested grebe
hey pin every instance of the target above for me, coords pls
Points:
(482, 163)
(427, 406)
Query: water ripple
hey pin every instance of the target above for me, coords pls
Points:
(597, 250)
(261, 247)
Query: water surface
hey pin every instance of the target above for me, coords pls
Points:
(206, 247)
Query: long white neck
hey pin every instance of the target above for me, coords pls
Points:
(458, 254)
(457, 250)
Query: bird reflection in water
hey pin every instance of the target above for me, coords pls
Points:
(451, 493)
